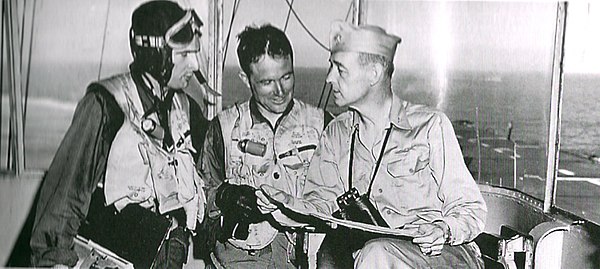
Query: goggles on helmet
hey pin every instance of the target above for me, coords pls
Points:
(190, 18)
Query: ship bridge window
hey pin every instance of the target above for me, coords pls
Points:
(578, 175)
(55, 60)
(488, 66)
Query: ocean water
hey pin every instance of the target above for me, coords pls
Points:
(492, 99)
(580, 130)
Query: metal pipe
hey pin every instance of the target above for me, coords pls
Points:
(555, 108)
(478, 137)
(514, 165)
(359, 11)
(15, 97)
(215, 63)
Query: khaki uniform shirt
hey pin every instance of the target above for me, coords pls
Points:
(422, 177)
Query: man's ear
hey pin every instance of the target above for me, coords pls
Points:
(244, 78)
(376, 70)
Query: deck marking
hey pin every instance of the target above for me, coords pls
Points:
(591, 180)
(528, 146)
(533, 176)
(566, 172)
(504, 150)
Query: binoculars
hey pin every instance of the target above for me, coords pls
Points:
(358, 208)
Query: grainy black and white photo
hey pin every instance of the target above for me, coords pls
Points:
(299, 134)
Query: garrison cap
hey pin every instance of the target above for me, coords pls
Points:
(364, 38)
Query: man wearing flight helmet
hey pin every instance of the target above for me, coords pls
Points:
(124, 174)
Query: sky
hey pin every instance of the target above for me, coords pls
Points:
(583, 38)
(466, 35)
(77, 41)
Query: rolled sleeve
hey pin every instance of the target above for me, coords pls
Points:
(463, 208)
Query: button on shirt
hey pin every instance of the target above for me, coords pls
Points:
(422, 177)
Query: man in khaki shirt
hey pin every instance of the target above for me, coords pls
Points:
(404, 157)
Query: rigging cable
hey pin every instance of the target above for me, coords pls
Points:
(322, 93)
(2, 63)
(287, 18)
(330, 86)
(305, 28)
(236, 5)
(325, 83)
(28, 76)
(328, 95)
(348, 12)
(22, 31)
(11, 160)
(104, 39)
(9, 35)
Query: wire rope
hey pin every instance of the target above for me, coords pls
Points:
(236, 5)
(2, 65)
(287, 18)
(29, 62)
(104, 39)
(349, 9)
(305, 28)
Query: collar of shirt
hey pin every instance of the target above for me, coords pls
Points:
(397, 115)
(257, 117)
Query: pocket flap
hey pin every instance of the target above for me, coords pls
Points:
(407, 162)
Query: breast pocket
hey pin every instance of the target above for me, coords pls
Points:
(407, 162)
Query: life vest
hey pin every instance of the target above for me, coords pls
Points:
(139, 170)
(287, 154)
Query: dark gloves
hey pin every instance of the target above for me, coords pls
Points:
(238, 207)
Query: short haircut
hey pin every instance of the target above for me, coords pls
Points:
(369, 58)
(254, 42)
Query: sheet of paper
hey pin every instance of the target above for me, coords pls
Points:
(408, 230)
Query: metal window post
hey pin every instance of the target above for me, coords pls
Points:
(359, 11)
(215, 62)
(13, 34)
(555, 108)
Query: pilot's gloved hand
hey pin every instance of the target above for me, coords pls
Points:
(239, 200)
(239, 208)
